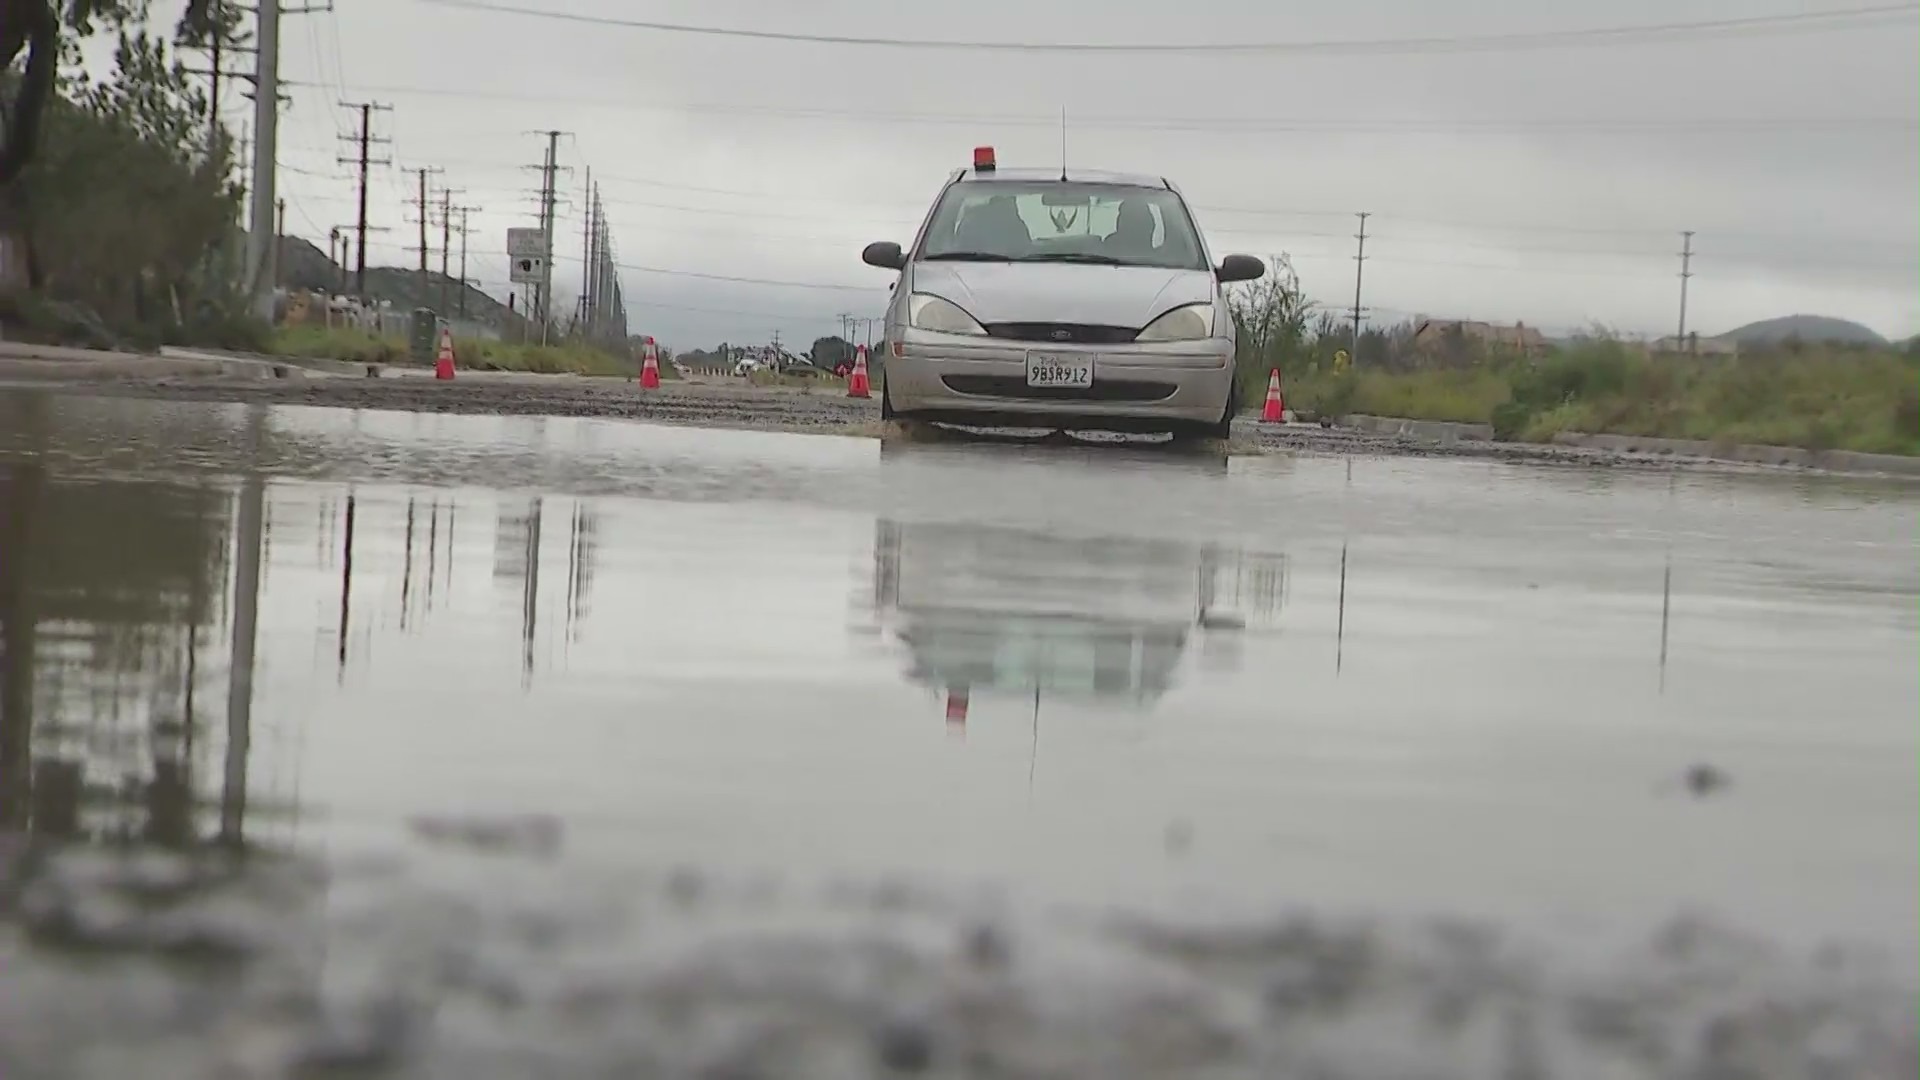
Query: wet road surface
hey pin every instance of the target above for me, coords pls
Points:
(582, 748)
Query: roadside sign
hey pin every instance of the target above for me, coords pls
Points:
(526, 256)
(527, 243)
(527, 271)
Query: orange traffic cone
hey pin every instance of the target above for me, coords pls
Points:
(1276, 410)
(443, 363)
(650, 366)
(857, 384)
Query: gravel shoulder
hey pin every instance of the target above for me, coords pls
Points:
(730, 404)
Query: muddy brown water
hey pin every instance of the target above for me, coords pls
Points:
(337, 742)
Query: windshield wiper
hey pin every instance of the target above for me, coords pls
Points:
(965, 256)
(1075, 257)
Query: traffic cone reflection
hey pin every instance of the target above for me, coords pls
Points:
(957, 707)
(1276, 410)
(857, 384)
(443, 362)
(649, 365)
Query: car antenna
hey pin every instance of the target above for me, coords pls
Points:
(1063, 144)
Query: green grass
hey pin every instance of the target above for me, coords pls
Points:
(1813, 398)
(324, 343)
(1860, 400)
(1467, 397)
(565, 358)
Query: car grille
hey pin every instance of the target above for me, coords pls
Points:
(1063, 333)
(1015, 386)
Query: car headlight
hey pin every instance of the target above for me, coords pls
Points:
(926, 311)
(1191, 323)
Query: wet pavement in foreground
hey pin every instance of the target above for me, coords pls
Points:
(340, 743)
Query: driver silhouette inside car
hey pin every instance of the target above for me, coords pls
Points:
(994, 227)
(1132, 234)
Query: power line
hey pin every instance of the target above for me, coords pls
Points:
(1195, 124)
(1287, 237)
(1897, 250)
(1753, 26)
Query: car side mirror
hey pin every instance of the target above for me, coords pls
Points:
(884, 254)
(1240, 268)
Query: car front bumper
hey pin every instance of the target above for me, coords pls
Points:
(969, 379)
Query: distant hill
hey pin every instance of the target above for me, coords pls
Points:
(304, 266)
(1812, 329)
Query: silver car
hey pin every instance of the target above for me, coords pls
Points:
(1030, 299)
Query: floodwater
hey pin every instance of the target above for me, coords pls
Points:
(571, 747)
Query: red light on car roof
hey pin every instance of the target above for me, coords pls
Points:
(983, 158)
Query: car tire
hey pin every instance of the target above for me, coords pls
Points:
(1222, 429)
(886, 403)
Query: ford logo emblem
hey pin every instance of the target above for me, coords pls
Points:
(1062, 335)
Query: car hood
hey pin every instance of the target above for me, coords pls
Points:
(1130, 296)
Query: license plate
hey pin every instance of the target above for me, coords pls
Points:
(1066, 372)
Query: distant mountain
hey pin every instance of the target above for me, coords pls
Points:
(1812, 329)
(304, 266)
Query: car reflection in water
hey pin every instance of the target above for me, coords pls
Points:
(988, 611)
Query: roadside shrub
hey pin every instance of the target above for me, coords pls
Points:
(1510, 420)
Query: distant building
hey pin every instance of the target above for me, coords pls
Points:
(1433, 335)
(1695, 345)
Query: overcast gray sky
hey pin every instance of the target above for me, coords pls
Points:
(1542, 184)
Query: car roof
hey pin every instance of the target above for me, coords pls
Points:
(1080, 176)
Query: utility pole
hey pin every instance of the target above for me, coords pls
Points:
(586, 260)
(607, 310)
(465, 284)
(446, 251)
(365, 161)
(548, 197)
(1359, 265)
(1686, 271)
(266, 144)
(279, 237)
(216, 47)
(420, 212)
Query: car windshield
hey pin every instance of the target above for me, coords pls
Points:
(1063, 221)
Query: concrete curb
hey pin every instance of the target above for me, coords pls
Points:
(1747, 453)
(1437, 431)
(58, 362)
(1443, 433)
(299, 365)
(104, 366)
